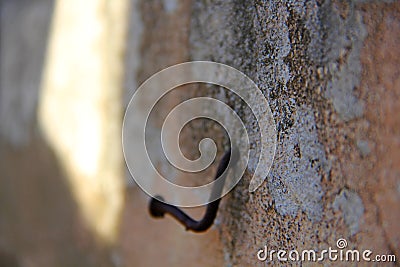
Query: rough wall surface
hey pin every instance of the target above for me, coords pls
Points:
(330, 73)
(328, 69)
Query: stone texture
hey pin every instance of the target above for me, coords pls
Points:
(308, 58)
(329, 70)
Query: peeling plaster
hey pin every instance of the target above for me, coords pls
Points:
(295, 181)
(352, 208)
(344, 43)
(305, 58)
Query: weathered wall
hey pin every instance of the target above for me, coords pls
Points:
(328, 69)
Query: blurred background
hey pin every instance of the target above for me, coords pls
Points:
(69, 67)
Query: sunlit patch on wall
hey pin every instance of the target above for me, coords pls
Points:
(80, 105)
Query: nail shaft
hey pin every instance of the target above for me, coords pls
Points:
(158, 208)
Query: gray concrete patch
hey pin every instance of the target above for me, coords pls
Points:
(352, 208)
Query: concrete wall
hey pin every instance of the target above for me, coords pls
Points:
(329, 70)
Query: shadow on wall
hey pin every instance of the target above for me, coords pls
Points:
(40, 223)
(61, 183)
